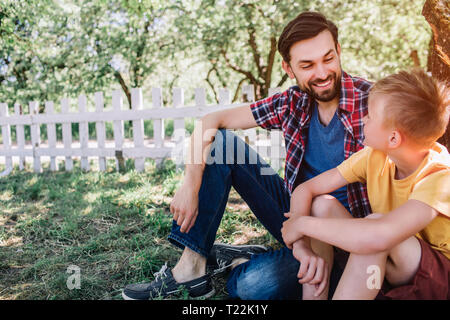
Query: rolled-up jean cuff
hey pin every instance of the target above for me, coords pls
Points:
(184, 242)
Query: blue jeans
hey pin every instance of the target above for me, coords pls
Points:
(232, 162)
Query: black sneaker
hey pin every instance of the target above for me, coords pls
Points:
(165, 285)
(222, 255)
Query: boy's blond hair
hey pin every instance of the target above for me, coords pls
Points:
(417, 105)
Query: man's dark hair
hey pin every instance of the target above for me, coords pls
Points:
(306, 25)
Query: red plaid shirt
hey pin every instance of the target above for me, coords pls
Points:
(289, 111)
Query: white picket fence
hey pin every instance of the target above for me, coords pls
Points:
(158, 147)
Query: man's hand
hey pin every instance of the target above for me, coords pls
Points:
(313, 268)
(184, 207)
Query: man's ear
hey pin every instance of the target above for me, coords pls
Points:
(395, 139)
(338, 49)
(287, 68)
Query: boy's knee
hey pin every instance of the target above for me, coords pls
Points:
(374, 216)
(323, 206)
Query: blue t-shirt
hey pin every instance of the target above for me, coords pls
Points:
(324, 151)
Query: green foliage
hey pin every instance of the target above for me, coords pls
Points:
(51, 49)
(27, 65)
(238, 38)
(377, 38)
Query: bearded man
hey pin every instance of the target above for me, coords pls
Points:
(321, 120)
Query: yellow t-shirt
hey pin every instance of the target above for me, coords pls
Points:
(430, 183)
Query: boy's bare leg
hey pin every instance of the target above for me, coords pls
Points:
(191, 265)
(354, 281)
(403, 262)
(325, 206)
(399, 266)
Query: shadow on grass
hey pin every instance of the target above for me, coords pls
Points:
(112, 225)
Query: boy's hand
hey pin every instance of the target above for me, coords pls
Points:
(313, 268)
(184, 207)
(289, 231)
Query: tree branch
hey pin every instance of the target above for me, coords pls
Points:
(211, 85)
(415, 58)
(254, 47)
(238, 89)
(248, 74)
(222, 81)
(283, 80)
(270, 61)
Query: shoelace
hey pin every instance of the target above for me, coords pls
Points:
(223, 264)
(161, 273)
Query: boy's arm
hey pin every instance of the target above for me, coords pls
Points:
(367, 236)
(303, 195)
(324, 183)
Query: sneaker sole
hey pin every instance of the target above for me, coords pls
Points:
(241, 246)
(125, 297)
(205, 296)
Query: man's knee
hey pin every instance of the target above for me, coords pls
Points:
(245, 285)
(220, 147)
(228, 148)
(323, 206)
(222, 137)
(265, 279)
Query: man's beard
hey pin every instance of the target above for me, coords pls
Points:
(326, 95)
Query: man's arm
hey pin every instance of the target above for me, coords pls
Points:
(367, 236)
(206, 128)
(185, 202)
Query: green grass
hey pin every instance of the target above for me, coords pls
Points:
(112, 225)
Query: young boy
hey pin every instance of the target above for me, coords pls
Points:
(406, 241)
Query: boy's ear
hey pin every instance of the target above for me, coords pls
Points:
(287, 68)
(395, 139)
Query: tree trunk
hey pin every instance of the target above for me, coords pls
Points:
(437, 13)
(124, 86)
